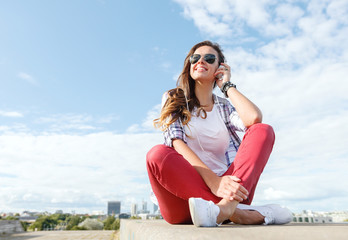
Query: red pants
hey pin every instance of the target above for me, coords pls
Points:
(174, 180)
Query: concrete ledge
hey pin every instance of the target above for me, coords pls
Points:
(10, 226)
(159, 230)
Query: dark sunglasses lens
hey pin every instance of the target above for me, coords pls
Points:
(209, 58)
(194, 58)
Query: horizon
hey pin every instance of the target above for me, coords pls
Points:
(150, 212)
(82, 81)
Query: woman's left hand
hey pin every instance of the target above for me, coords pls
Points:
(225, 70)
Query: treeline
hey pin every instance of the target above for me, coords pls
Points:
(69, 222)
(74, 222)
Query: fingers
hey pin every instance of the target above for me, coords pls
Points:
(228, 195)
(239, 196)
(240, 187)
(224, 64)
(234, 178)
(236, 191)
(221, 70)
(225, 67)
(231, 189)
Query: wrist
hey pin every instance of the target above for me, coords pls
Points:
(226, 86)
(213, 183)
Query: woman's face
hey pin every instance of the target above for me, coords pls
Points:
(202, 70)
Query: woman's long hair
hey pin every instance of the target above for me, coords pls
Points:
(184, 95)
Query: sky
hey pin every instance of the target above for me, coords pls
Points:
(81, 82)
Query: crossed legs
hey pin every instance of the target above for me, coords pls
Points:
(174, 180)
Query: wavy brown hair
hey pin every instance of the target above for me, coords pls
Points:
(175, 106)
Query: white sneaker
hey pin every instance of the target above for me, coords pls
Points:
(203, 213)
(273, 213)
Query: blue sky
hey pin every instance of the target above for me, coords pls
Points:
(89, 57)
(81, 82)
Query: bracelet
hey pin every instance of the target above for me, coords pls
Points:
(225, 86)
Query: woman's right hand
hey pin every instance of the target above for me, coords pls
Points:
(229, 188)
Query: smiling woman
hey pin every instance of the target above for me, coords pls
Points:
(205, 174)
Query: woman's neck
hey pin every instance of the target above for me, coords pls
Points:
(204, 93)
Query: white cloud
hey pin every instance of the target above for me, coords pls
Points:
(57, 169)
(79, 122)
(108, 119)
(73, 172)
(206, 15)
(14, 128)
(10, 114)
(28, 78)
(147, 124)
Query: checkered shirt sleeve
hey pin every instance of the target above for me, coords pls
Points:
(174, 131)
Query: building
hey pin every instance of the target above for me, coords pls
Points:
(308, 216)
(144, 207)
(338, 216)
(134, 209)
(98, 213)
(114, 207)
(155, 209)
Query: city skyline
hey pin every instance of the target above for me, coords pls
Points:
(134, 206)
(81, 82)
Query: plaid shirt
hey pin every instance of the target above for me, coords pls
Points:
(231, 120)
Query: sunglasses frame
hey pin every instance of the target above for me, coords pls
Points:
(207, 58)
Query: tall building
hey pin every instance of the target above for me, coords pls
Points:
(114, 207)
(134, 209)
(144, 205)
(155, 208)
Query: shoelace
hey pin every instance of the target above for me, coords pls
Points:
(269, 216)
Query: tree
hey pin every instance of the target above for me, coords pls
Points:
(111, 223)
(43, 222)
(108, 222)
(116, 225)
(25, 225)
(91, 224)
(74, 221)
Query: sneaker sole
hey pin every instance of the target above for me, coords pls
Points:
(192, 211)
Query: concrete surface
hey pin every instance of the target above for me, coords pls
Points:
(10, 226)
(159, 230)
(62, 235)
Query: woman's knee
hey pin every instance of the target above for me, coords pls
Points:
(154, 154)
(264, 131)
(157, 154)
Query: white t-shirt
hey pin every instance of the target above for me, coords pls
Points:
(209, 139)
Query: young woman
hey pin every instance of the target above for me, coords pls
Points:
(204, 174)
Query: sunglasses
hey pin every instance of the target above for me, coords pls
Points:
(209, 58)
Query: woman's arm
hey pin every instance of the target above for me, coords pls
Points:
(247, 110)
(227, 187)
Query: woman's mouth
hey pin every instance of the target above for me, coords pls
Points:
(200, 69)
